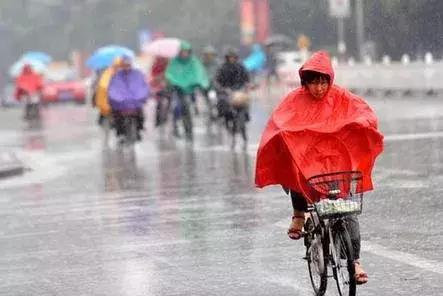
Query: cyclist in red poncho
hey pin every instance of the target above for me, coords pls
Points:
(318, 128)
(28, 87)
(28, 83)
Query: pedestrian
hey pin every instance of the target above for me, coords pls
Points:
(318, 128)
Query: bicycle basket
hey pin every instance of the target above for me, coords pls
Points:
(339, 193)
(240, 99)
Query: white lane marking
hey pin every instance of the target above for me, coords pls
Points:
(399, 256)
(403, 257)
(27, 234)
(128, 248)
(47, 167)
(252, 148)
(414, 136)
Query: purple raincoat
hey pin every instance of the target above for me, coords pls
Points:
(128, 90)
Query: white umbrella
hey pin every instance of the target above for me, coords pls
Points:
(164, 47)
(17, 68)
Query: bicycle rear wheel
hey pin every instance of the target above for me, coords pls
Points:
(343, 262)
(317, 263)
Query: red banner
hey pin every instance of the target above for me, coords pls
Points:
(254, 21)
(247, 21)
(262, 26)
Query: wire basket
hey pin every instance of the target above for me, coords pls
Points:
(339, 194)
(339, 207)
(240, 99)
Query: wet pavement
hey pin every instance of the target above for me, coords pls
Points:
(170, 218)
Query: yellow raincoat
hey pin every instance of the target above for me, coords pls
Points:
(101, 95)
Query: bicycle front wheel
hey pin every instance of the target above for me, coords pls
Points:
(130, 130)
(317, 263)
(187, 121)
(343, 262)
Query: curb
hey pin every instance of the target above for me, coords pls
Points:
(10, 165)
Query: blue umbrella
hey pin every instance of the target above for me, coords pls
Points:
(37, 56)
(256, 60)
(105, 56)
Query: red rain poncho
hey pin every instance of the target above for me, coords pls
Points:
(27, 83)
(306, 137)
(158, 69)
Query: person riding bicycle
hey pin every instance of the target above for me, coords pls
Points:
(184, 74)
(101, 100)
(211, 63)
(231, 76)
(128, 92)
(271, 65)
(158, 87)
(28, 85)
(318, 128)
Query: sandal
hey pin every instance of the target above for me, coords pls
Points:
(361, 278)
(296, 232)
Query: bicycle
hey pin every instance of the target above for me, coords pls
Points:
(326, 237)
(235, 112)
(211, 102)
(32, 106)
(163, 106)
(239, 119)
(181, 108)
(128, 126)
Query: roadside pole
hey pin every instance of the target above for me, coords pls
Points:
(359, 18)
(340, 9)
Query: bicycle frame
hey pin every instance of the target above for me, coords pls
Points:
(330, 229)
(182, 111)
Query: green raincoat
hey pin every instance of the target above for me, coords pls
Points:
(187, 73)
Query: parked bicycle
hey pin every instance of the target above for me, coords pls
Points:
(327, 238)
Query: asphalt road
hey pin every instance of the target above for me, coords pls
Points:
(170, 218)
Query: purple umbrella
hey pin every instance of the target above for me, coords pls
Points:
(128, 90)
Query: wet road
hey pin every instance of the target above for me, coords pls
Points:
(167, 218)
